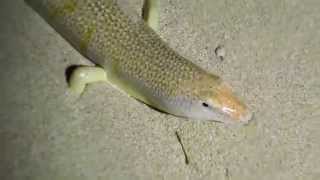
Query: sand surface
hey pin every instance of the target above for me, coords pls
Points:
(272, 60)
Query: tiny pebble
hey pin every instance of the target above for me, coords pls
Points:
(220, 52)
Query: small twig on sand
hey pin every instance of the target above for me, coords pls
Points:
(182, 147)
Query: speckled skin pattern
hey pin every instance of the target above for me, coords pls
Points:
(137, 60)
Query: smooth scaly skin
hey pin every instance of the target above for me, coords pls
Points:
(136, 59)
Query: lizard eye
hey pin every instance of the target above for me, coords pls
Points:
(205, 104)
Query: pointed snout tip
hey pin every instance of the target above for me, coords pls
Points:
(232, 106)
(246, 117)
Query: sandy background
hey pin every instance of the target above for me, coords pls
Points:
(272, 60)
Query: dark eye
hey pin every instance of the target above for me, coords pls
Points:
(205, 104)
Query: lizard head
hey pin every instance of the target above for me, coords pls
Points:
(209, 98)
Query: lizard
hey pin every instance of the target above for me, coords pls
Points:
(131, 55)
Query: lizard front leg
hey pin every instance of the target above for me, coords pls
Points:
(84, 75)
